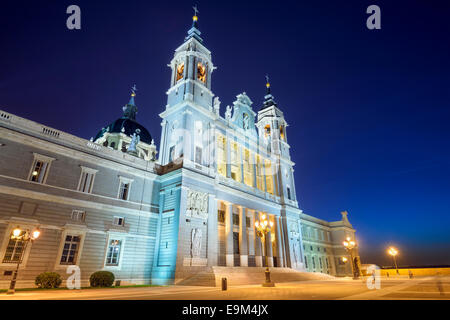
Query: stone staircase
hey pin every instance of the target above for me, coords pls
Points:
(212, 276)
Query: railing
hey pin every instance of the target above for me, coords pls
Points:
(50, 132)
(68, 139)
(5, 116)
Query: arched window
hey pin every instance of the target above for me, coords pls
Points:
(180, 71)
(201, 72)
(113, 145)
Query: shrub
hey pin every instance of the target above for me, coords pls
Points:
(48, 280)
(102, 279)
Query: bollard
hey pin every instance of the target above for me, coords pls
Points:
(224, 284)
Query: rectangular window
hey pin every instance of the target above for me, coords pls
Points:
(248, 168)
(123, 190)
(235, 163)
(269, 177)
(40, 168)
(14, 250)
(113, 254)
(289, 193)
(70, 249)
(236, 242)
(306, 262)
(247, 222)
(314, 262)
(39, 171)
(222, 155)
(221, 216)
(259, 174)
(198, 155)
(78, 215)
(87, 179)
(119, 221)
(235, 219)
(320, 262)
(326, 259)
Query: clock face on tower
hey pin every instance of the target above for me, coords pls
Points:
(201, 72)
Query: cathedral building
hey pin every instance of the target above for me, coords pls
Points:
(117, 203)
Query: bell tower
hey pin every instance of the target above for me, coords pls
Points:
(191, 70)
(189, 110)
(272, 135)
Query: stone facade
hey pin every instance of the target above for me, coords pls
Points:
(162, 220)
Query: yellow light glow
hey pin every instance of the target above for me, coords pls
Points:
(17, 232)
(271, 223)
(344, 259)
(195, 18)
(36, 234)
(348, 238)
(392, 251)
(263, 217)
(352, 243)
(35, 173)
(265, 222)
(345, 244)
(268, 85)
(257, 224)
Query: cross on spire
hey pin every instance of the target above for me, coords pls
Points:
(267, 84)
(195, 10)
(133, 90)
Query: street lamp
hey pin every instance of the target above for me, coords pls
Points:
(350, 245)
(25, 236)
(393, 252)
(262, 229)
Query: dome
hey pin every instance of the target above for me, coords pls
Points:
(130, 127)
(127, 123)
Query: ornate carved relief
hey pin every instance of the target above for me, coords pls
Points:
(196, 242)
(293, 227)
(197, 204)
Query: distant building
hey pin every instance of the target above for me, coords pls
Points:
(116, 203)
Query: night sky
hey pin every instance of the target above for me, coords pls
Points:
(368, 109)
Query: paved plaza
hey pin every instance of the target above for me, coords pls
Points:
(342, 289)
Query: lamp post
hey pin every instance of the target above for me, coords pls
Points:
(393, 252)
(25, 236)
(350, 245)
(262, 229)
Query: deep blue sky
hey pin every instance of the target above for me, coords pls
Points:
(368, 110)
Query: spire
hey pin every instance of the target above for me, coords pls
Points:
(194, 32)
(130, 110)
(268, 98)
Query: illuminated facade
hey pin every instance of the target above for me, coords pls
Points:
(116, 203)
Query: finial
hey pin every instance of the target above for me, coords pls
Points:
(195, 18)
(133, 91)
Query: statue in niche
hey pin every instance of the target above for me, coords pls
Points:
(295, 251)
(228, 113)
(245, 122)
(196, 242)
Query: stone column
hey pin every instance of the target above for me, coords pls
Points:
(278, 239)
(212, 248)
(229, 234)
(258, 245)
(251, 233)
(268, 244)
(243, 247)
